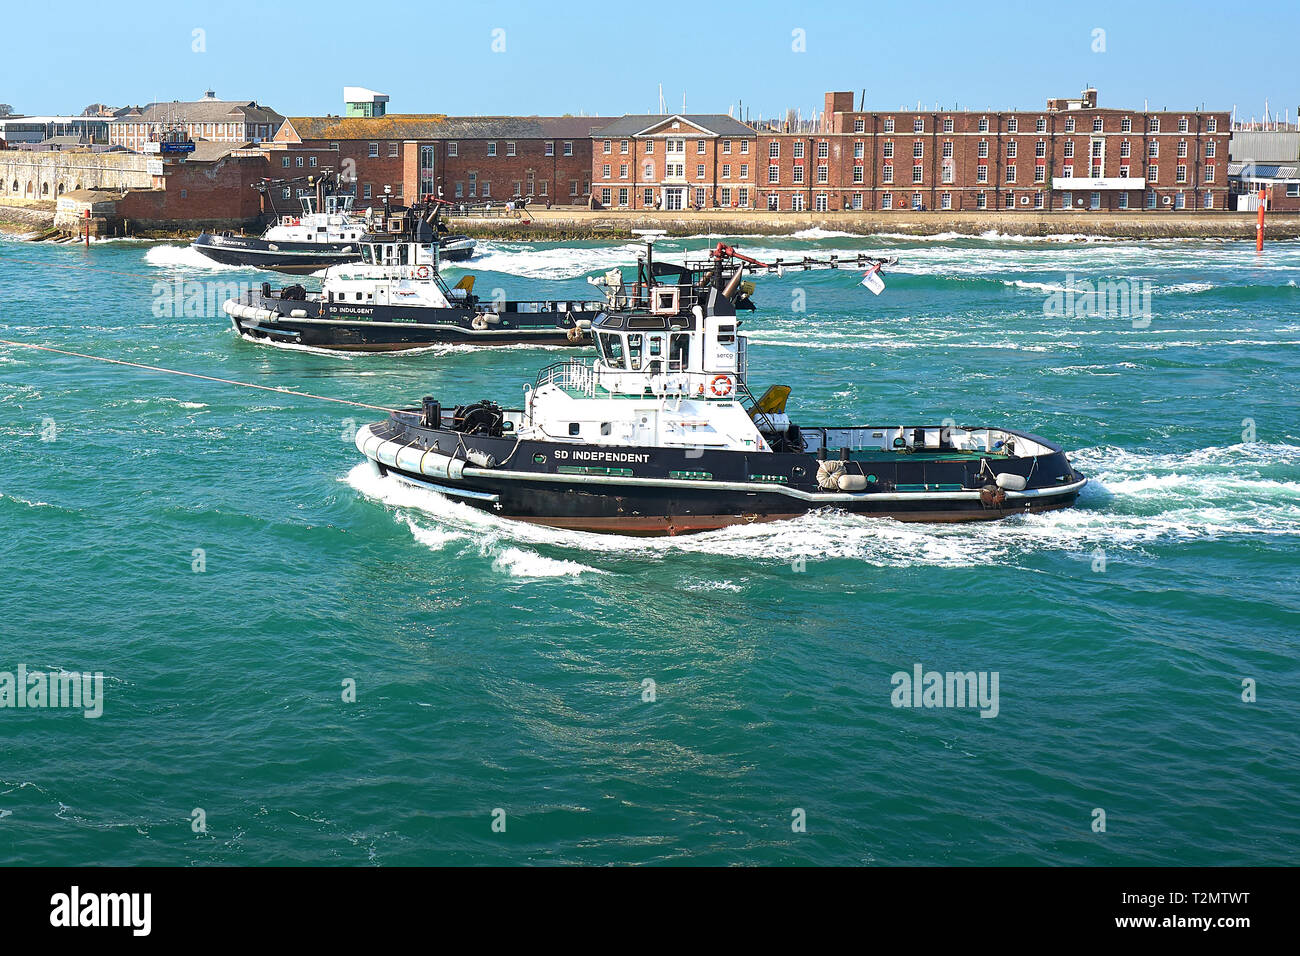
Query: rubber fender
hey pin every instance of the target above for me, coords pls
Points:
(853, 482)
(1009, 482)
(829, 473)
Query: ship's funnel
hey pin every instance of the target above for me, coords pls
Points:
(734, 282)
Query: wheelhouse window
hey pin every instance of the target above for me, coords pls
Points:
(679, 351)
(611, 349)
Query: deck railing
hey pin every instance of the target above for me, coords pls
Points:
(571, 373)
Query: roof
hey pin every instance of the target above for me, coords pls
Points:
(209, 152)
(200, 111)
(1264, 147)
(359, 94)
(715, 123)
(1257, 171)
(438, 126)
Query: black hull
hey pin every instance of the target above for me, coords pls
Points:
(303, 258)
(644, 491)
(389, 328)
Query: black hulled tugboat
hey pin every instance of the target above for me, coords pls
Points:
(394, 298)
(662, 435)
(326, 232)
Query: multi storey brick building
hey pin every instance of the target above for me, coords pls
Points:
(210, 119)
(466, 159)
(1072, 154)
(646, 162)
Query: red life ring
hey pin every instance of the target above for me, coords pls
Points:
(422, 272)
(720, 386)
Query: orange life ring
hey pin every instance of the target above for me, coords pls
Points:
(720, 386)
(422, 272)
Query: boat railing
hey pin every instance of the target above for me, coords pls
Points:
(572, 374)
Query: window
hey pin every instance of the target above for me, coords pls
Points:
(984, 124)
(1209, 148)
(699, 171)
(773, 150)
(1069, 124)
(1013, 124)
(1040, 125)
(550, 148)
(1180, 173)
(605, 197)
(573, 187)
(859, 126)
(1038, 199)
(372, 150)
(1040, 149)
(608, 147)
(510, 148)
(649, 147)
(983, 149)
(744, 147)
(1009, 200)
(945, 200)
(1153, 124)
(288, 192)
(1067, 199)
(1212, 125)
(311, 160)
(491, 149)
(1094, 201)
(889, 149)
(947, 124)
(568, 149)
(889, 124)
(473, 184)
(887, 173)
(1069, 149)
(918, 149)
(1123, 200)
(487, 189)
(947, 149)
(726, 195)
(622, 147)
(857, 201)
(1153, 173)
(649, 171)
(1040, 174)
(773, 202)
(285, 162)
(453, 149)
(1123, 171)
(1011, 149)
(1097, 147)
(726, 147)
(917, 172)
(744, 170)
(622, 170)
(1126, 124)
(1209, 172)
(1125, 149)
(981, 173)
(1180, 201)
(773, 174)
(1096, 124)
(1011, 174)
(887, 201)
(604, 171)
(981, 201)
(648, 197)
(726, 170)
(798, 175)
(823, 174)
(1182, 124)
(858, 174)
(699, 147)
(1182, 148)
(622, 196)
(1151, 199)
(699, 196)
(1209, 197)
(946, 173)
(1153, 149)
(394, 149)
(798, 149)
(367, 191)
(823, 150)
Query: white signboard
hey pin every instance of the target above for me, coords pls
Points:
(154, 167)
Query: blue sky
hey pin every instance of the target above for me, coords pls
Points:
(607, 58)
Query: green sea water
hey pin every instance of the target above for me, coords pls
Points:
(226, 562)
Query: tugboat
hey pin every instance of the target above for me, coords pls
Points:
(394, 298)
(325, 233)
(661, 435)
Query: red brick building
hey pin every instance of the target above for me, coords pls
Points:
(673, 162)
(1072, 154)
(467, 159)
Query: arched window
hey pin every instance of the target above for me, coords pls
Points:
(61, 188)
(45, 189)
(15, 185)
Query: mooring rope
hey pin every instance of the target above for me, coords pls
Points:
(209, 378)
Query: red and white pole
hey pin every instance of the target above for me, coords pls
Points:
(88, 228)
(1259, 226)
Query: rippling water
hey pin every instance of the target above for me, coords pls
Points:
(501, 666)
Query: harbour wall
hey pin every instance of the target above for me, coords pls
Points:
(581, 223)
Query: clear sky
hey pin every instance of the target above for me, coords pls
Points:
(609, 58)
